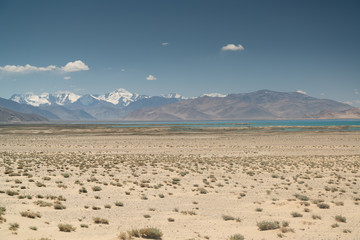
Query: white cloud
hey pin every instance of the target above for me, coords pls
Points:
(302, 92)
(322, 94)
(69, 67)
(123, 70)
(67, 77)
(164, 44)
(232, 47)
(75, 66)
(151, 77)
(356, 91)
(26, 68)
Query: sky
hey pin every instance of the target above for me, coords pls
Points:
(189, 47)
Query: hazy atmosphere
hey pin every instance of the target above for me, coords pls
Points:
(187, 47)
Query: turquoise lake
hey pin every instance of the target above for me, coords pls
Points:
(281, 125)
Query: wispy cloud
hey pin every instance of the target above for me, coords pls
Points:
(26, 68)
(232, 47)
(67, 77)
(69, 67)
(164, 44)
(302, 92)
(356, 91)
(150, 78)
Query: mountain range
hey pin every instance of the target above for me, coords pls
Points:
(110, 106)
(263, 104)
(124, 105)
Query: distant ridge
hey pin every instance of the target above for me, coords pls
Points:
(353, 113)
(7, 115)
(263, 104)
(121, 104)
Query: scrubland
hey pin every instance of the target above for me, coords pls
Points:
(101, 183)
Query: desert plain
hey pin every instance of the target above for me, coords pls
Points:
(99, 182)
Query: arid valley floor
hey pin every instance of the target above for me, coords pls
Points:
(104, 183)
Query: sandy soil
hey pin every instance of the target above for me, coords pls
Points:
(204, 184)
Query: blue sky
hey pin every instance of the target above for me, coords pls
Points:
(99, 46)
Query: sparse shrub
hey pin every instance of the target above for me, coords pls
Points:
(2, 212)
(236, 237)
(296, 214)
(230, 218)
(227, 217)
(66, 228)
(150, 233)
(96, 188)
(11, 192)
(301, 197)
(59, 206)
(340, 218)
(14, 226)
(98, 220)
(30, 214)
(40, 184)
(191, 213)
(202, 190)
(323, 205)
(66, 175)
(42, 203)
(268, 225)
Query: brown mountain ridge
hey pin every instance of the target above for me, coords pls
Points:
(262, 104)
(7, 115)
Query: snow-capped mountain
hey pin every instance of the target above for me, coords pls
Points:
(174, 95)
(66, 105)
(120, 96)
(64, 97)
(213, 95)
(45, 99)
(32, 99)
